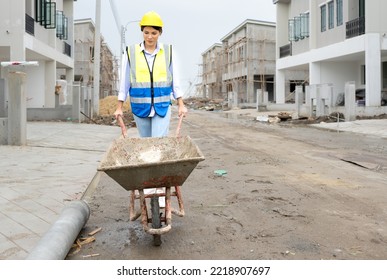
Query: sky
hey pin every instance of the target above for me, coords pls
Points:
(191, 26)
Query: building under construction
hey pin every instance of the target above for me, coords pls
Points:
(242, 65)
(84, 60)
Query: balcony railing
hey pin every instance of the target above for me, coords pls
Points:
(30, 25)
(285, 50)
(355, 27)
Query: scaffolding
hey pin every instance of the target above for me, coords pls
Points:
(84, 61)
(241, 66)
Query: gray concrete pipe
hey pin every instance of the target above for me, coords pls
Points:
(57, 242)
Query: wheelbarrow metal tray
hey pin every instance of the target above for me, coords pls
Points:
(139, 163)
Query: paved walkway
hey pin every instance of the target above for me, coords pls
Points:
(368, 127)
(57, 165)
(37, 180)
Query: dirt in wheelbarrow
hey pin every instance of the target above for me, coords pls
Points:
(264, 191)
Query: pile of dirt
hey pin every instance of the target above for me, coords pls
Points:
(107, 107)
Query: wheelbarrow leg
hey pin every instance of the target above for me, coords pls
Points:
(168, 211)
(144, 211)
(179, 212)
(132, 214)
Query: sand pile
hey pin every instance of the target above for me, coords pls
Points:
(108, 105)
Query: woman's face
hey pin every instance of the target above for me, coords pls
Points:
(151, 36)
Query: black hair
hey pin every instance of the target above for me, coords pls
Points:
(158, 28)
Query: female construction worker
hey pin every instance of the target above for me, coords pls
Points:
(148, 76)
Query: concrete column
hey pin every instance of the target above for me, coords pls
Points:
(262, 98)
(76, 97)
(320, 104)
(350, 101)
(327, 96)
(259, 98)
(311, 95)
(3, 107)
(265, 98)
(279, 87)
(373, 62)
(70, 80)
(299, 99)
(17, 109)
(3, 131)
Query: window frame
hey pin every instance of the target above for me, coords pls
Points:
(323, 18)
(331, 14)
(305, 24)
(339, 12)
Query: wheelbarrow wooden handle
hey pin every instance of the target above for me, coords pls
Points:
(121, 123)
(179, 126)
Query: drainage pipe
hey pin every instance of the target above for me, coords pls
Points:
(57, 242)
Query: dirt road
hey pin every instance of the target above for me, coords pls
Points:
(290, 192)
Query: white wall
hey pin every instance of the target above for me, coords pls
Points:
(35, 86)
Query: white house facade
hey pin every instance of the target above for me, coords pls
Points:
(335, 41)
(42, 31)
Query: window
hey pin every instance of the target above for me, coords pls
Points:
(323, 18)
(339, 12)
(291, 30)
(45, 13)
(331, 14)
(304, 25)
(62, 26)
(49, 15)
(298, 27)
(39, 8)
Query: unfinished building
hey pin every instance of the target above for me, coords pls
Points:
(84, 60)
(212, 72)
(242, 65)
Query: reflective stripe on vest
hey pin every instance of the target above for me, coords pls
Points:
(150, 85)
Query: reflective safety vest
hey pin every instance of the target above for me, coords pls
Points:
(151, 85)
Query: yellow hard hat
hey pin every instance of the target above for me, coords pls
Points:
(151, 19)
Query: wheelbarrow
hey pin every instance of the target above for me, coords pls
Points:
(162, 163)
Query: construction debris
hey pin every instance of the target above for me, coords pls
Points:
(94, 231)
(77, 246)
(89, 256)
(284, 116)
(199, 103)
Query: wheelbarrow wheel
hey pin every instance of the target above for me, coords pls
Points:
(156, 220)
